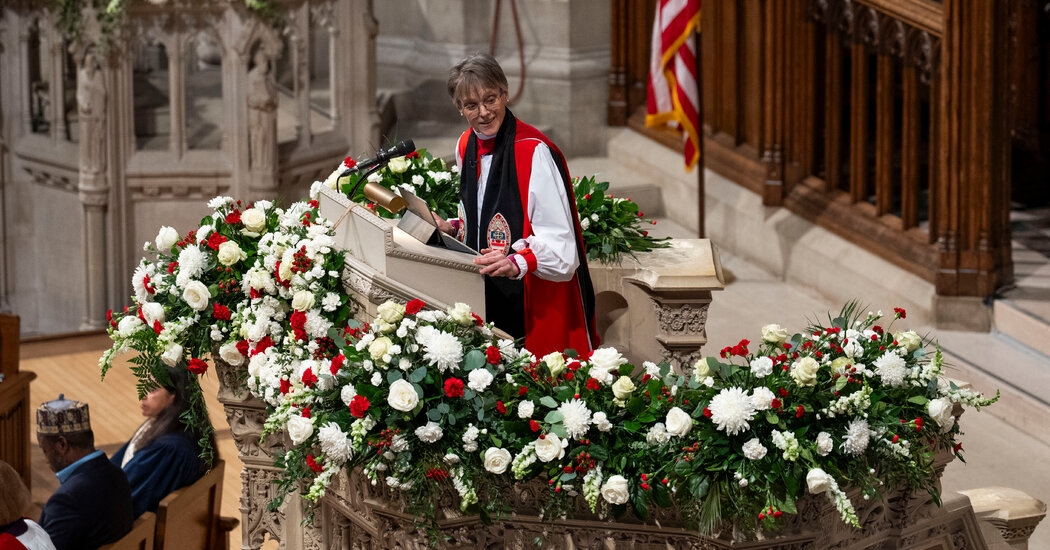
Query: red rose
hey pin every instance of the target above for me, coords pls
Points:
(337, 363)
(309, 378)
(534, 426)
(358, 406)
(220, 312)
(233, 217)
(242, 347)
(453, 387)
(312, 463)
(215, 240)
(493, 355)
(197, 366)
(414, 306)
(592, 383)
(501, 407)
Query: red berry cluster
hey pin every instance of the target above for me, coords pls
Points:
(437, 474)
(385, 437)
(689, 452)
(300, 261)
(326, 348)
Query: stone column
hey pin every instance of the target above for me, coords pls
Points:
(355, 112)
(93, 186)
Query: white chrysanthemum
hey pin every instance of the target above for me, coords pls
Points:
(217, 202)
(576, 417)
(754, 449)
(429, 433)
(857, 436)
(138, 281)
(525, 409)
(761, 367)
(191, 265)
(442, 350)
(334, 443)
(762, 398)
(892, 369)
(731, 410)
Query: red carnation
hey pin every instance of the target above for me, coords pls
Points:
(358, 406)
(197, 366)
(242, 347)
(477, 320)
(523, 390)
(220, 312)
(306, 412)
(707, 412)
(573, 366)
(501, 408)
(297, 320)
(592, 383)
(312, 463)
(776, 404)
(233, 217)
(157, 327)
(412, 155)
(337, 363)
(263, 345)
(285, 386)
(349, 162)
(800, 411)
(453, 387)
(534, 426)
(414, 306)
(309, 378)
(493, 355)
(215, 240)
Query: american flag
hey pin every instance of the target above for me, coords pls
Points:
(673, 97)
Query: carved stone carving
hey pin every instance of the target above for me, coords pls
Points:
(681, 318)
(91, 110)
(262, 114)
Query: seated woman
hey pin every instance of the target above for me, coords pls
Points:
(16, 531)
(164, 454)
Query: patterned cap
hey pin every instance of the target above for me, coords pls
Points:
(62, 416)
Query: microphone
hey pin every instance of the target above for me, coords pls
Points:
(382, 157)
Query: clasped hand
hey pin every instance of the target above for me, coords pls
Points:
(496, 263)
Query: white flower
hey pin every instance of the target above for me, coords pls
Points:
(128, 325)
(196, 295)
(173, 354)
(585, 223)
(496, 460)
(940, 410)
(166, 238)
(443, 350)
(657, 434)
(230, 253)
(219, 202)
(606, 359)
(892, 369)
(403, 396)
(652, 369)
(379, 347)
(377, 379)
(774, 334)
(330, 302)
(300, 429)
(479, 379)
(818, 481)
(678, 422)
(857, 436)
(754, 449)
(550, 447)
(623, 387)
(303, 300)
(555, 361)
(152, 311)
(762, 398)
(334, 443)
(398, 165)
(399, 444)
(731, 410)
(254, 219)
(701, 369)
(824, 443)
(576, 417)
(429, 433)
(525, 409)
(909, 339)
(191, 265)
(390, 311)
(761, 366)
(460, 313)
(614, 490)
(229, 353)
(601, 421)
(804, 371)
(470, 434)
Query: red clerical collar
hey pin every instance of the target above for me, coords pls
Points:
(486, 146)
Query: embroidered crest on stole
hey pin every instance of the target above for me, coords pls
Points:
(499, 234)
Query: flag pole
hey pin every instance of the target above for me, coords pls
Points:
(700, 135)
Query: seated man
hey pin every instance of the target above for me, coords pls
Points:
(92, 506)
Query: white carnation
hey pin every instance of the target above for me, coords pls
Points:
(429, 433)
(761, 366)
(526, 408)
(754, 450)
(479, 379)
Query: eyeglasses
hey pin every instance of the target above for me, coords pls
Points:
(489, 102)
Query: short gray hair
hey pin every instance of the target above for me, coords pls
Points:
(479, 70)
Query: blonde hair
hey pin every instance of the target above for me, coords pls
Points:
(14, 495)
(476, 71)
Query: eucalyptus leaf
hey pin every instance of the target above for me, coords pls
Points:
(554, 416)
(549, 402)
(418, 375)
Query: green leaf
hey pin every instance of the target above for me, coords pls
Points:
(918, 400)
(772, 418)
(559, 430)
(631, 426)
(841, 383)
(553, 416)
(641, 506)
(661, 495)
(636, 405)
(568, 476)
(549, 402)
(442, 408)
(698, 486)
(475, 359)
(418, 375)
(469, 394)
(393, 376)
(451, 420)
(434, 415)
(598, 453)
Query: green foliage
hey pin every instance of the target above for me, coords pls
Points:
(611, 226)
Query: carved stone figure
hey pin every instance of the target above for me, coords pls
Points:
(262, 114)
(91, 110)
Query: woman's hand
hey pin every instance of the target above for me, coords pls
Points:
(444, 226)
(496, 264)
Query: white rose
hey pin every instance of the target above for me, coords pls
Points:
(390, 311)
(300, 429)
(173, 353)
(623, 387)
(166, 238)
(614, 490)
(774, 334)
(230, 253)
(128, 325)
(285, 271)
(678, 422)
(700, 369)
(403, 396)
(555, 361)
(761, 366)
(254, 220)
(152, 311)
(398, 165)
(379, 347)
(303, 300)
(607, 359)
(228, 352)
(909, 339)
(196, 295)
(550, 447)
(460, 313)
(818, 481)
(479, 379)
(940, 410)
(804, 371)
(496, 460)
(824, 443)
(754, 449)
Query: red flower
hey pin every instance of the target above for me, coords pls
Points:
(309, 378)
(285, 386)
(242, 347)
(523, 390)
(349, 162)
(900, 313)
(453, 387)
(312, 463)
(776, 404)
(707, 412)
(233, 217)
(297, 320)
(437, 474)
(172, 266)
(573, 366)
(157, 327)
(263, 345)
(592, 383)
(782, 392)
(414, 306)
(197, 366)
(493, 355)
(477, 320)
(215, 240)
(412, 155)
(501, 407)
(337, 363)
(534, 426)
(306, 412)
(800, 411)
(220, 312)
(359, 405)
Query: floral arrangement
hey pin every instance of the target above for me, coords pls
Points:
(252, 279)
(611, 226)
(427, 177)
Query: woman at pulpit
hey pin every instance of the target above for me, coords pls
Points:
(517, 208)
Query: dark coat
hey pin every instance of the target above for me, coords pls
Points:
(169, 462)
(92, 507)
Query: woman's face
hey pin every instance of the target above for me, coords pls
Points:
(484, 109)
(155, 402)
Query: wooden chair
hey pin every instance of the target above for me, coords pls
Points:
(140, 537)
(189, 517)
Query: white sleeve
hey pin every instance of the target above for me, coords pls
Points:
(553, 239)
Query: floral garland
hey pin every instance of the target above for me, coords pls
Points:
(427, 177)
